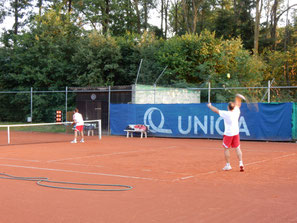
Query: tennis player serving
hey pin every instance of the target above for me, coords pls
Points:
(79, 126)
(231, 133)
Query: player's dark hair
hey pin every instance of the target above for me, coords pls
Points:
(76, 110)
(231, 105)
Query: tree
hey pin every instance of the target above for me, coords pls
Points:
(275, 16)
(2, 12)
(42, 59)
(259, 5)
(97, 61)
(197, 59)
(138, 15)
(244, 22)
(18, 10)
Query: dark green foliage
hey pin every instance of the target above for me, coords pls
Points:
(56, 51)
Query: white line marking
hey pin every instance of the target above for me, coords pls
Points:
(262, 161)
(183, 178)
(4, 158)
(107, 154)
(78, 164)
(87, 173)
(256, 162)
(216, 171)
(38, 161)
(292, 154)
(257, 150)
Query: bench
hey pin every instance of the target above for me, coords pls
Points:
(141, 131)
(89, 128)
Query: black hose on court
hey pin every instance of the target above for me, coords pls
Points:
(41, 180)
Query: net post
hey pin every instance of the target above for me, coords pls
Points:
(99, 129)
(8, 135)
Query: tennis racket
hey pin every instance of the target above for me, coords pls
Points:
(253, 107)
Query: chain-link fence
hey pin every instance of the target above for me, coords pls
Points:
(94, 103)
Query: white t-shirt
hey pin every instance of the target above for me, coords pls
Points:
(231, 121)
(77, 117)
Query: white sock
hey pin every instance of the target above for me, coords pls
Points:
(227, 164)
(240, 163)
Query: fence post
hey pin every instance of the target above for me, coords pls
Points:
(31, 104)
(269, 91)
(66, 91)
(208, 92)
(154, 93)
(108, 128)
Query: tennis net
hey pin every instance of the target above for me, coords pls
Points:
(46, 132)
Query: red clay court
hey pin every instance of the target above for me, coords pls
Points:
(174, 180)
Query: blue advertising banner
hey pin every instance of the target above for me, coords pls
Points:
(259, 121)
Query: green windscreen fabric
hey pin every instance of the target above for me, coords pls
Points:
(294, 121)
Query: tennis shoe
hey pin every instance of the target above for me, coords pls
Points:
(82, 140)
(74, 141)
(226, 168)
(241, 168)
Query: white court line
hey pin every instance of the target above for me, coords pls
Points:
(106, 154)
(187, 177)
(292, 154)
(87, 173)
(78, 164)
(38, 161)
(248, 149)
(183, 178)
(111, 154)
(279, 157)
(4, 158)
(216, 171)
(86, 165)
(257, 150)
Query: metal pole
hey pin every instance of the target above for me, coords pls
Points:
(269, 91)
(66, 92)
(138, 72)
(154, 93)
(160, 75)
(31, 104)
(8, 135)
(99, 129)
(108, 110)
(208, 92)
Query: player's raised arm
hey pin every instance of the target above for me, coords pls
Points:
(238, 99)
(214, 109)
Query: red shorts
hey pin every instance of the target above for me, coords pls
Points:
(79, 128)
(231, 141)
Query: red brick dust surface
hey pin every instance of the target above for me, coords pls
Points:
(174, 180)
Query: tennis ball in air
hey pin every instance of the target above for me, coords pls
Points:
(228, 75)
